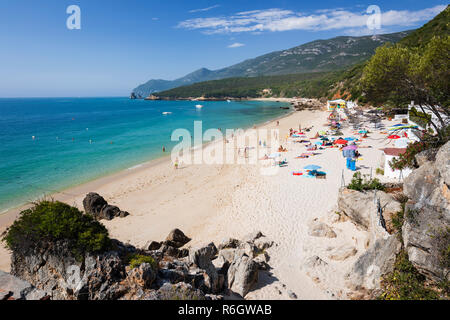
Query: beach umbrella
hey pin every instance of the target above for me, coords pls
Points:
(341, 141)
(362, 131)
(318, 143)
(350, 139)
(398, 125)
(351, 147)
(322, 133)
(394, 136)
(324, 139)
(312, 167)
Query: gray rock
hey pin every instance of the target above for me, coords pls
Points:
(263, 243)
(178, 291)
(361, 208)
(229, 243)
(251, 237)
(424, 156)
(227, 254)
(320, 229)
(154, 245)
(423, 239)
(427, 215)
(142, 276)
(343, 252)
(14, 288)
(376, 262)
(201, 257)
(314, 262)
(443, 162)
(242, 275)
(177, 238)
(262, 261)
(96, 205)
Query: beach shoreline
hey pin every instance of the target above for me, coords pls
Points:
(8, 215)
(215, 201)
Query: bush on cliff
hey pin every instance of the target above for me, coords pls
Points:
(359, 183)
(406, 283)
(135, 260)
(50, 221)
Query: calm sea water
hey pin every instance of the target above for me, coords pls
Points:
(80, 139)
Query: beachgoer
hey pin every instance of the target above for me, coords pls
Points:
(163, 149)
(176, 163)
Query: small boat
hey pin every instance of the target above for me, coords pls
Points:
(228, 100)
(166, 112)
(198, 106)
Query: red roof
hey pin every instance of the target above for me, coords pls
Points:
(394, 151)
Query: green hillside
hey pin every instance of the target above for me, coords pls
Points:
(439, 26)
(344, 82)
(316, 56)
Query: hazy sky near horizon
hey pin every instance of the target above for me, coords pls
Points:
(122, 44)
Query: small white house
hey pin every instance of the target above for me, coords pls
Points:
(389, 154)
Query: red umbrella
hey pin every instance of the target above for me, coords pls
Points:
(341, 141)
(394, 136)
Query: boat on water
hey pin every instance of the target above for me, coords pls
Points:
(228, 100)
(166, 112)
(199, 106)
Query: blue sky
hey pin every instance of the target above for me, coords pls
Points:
(124, 43)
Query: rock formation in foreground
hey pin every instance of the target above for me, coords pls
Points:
(84, 265)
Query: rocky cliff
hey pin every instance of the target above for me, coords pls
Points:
(52, 268)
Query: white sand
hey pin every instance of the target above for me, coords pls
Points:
(211, 202)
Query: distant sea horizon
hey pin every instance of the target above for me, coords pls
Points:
(51, 144)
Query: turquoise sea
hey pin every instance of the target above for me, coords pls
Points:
(49, 144)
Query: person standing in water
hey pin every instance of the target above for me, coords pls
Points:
(163, 149)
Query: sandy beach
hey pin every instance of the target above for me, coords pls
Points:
(210, 202)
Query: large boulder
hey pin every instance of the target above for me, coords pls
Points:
(56, 269)
(443, 163)
(242, 274)
(13, 288)
(367, 271)
(202, 258)
(96, 205)
(361, 208)
(177, 238)
(178, 291)
(426, 227)
(320, 229)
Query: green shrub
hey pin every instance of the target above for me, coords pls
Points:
(135, 260)
(379, 171)
(359, 183)
(405, 282)
(50, 221)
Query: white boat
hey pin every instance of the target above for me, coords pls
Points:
(198, 106)
(166, 112)
(228, 100)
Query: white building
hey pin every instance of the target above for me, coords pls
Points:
(389, 154)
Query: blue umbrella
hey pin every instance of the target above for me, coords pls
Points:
(318, 143)
(312, 167)
(350, 139)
